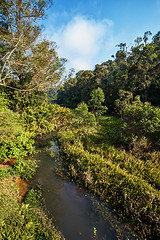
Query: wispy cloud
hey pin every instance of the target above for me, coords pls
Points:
(84, 41)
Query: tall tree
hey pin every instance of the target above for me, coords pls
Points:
(26, 63)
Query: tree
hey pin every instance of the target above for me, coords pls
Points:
(136, 71)
(85, 84)
(83, 117)
(146, 35)
(97, 98)
(140, 118)
(69, 94)
(26, 63)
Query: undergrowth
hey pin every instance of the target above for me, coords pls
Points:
(117, 164)
(100, 159)
(25, 220)
(22, 219)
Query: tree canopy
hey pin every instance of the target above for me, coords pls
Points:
(27, 62)
(136, 70)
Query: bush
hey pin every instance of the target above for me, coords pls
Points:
(138, 116)
(83, 117)
(128, 183)
(15, 141)
(132, 196)
(97, 98)
(23, 220)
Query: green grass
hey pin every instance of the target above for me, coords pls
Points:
(24, 220)
(97, 156)
(98, 160)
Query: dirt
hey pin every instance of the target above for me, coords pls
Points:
(9, 162)
(23, 187)
(4, 166)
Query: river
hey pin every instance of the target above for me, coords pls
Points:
(73, 210)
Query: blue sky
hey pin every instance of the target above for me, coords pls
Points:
(86, 31)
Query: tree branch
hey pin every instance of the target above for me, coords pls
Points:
(9, 55)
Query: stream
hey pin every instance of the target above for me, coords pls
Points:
(72, 209)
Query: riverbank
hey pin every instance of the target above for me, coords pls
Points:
(95, 156)
(127, 183)
(74, 211)
(22, 214)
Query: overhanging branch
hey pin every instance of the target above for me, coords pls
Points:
(9, 55)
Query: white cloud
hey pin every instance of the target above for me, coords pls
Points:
(84, 42)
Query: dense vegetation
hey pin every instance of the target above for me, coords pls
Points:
(115, 156)
(128, 180)
(119, 161)
(136, 71)
(27, 67)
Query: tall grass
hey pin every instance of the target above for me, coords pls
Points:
(98, 160)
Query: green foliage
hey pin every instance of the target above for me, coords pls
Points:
(37, 114)
(97, 98)
(138, 116)
(8, 197)
(52, 94)
(26, 220)
(82, 109)
(76, 90)
(27, 63)
(18, 130)
(136, 71)
(94, 153)
(128, 193)
(5, 173)
(110, 132)
(83, 117)
(127, 182)
(15, 141)
(25, 168)
(69, 94)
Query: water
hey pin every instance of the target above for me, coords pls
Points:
(72, 209)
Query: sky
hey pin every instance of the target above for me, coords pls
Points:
(87, 31)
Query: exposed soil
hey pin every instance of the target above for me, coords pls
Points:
(4, 166)
(9, 162)
(23, 187)
(21, 183)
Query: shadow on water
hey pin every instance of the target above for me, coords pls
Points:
(72, 209)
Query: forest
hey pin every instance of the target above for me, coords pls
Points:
(106, 122)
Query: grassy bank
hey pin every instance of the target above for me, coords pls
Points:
(96, 158)
(97, 155)
(21, 214)
(25, 220)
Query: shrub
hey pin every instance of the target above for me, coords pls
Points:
(15, 141)
(128, 183)
(97, 98)
(83, 117)
(138, 116)
(23, 220)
